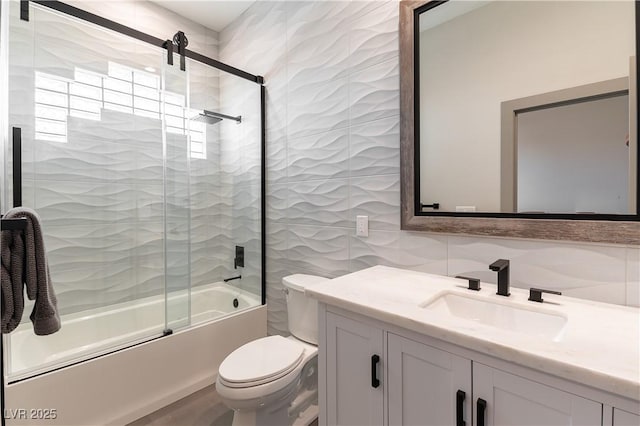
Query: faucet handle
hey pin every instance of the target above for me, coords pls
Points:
(535, 294)
(474, 283)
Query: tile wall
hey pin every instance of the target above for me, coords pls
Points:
(331, 71)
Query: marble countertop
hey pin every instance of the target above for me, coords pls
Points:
(600, 345)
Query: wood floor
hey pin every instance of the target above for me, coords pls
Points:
(203, 408)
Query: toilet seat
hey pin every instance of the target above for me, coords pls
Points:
(261, 361)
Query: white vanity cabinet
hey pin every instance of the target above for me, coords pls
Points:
(426, 386)
(512, 400)
(355, 360)
(421, 384)
(624, 418)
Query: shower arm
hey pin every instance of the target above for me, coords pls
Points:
(219, 115)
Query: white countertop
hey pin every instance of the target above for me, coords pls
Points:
(600, 346)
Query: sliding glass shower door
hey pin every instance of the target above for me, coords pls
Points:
(106, 179)
(148, 179)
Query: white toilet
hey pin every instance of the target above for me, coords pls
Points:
(273, 381)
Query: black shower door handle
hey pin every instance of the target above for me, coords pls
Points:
(17, 166)
(375, 382)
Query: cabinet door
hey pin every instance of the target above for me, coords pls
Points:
(423, 384)
(353, 397)
(623, 418)
(513, 400)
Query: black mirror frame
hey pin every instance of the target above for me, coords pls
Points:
(616, 229)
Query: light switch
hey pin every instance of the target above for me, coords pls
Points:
(362, 226)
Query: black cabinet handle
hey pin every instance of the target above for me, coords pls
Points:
(375, 359)
(460, 396)
(481, 408)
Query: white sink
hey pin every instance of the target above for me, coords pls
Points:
(500, 315)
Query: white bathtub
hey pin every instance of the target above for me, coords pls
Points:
(216, 329)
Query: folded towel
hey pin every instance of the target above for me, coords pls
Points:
(24, 260)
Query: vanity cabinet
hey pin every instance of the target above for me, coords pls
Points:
(427, 386)
(355, 360)
(411, 383)
(624, 418)
(513, 400)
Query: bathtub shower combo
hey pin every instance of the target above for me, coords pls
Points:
(145, 162)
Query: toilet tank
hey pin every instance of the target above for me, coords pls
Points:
(302, 310)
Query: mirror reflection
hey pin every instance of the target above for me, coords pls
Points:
(527, 107)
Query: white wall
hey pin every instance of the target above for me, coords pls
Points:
(503, 51)
(573, 158)
(331, 72)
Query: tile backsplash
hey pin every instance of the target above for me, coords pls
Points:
(331, 71)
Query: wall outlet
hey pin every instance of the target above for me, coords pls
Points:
(362, 226)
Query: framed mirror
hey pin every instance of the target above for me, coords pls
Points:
(519, 119)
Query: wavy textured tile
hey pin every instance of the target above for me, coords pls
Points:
(262, 21)
(322, 250)
(379, 248)
(374, 36)
(277, 202)
(424, 252)
(319, 202)
(276, 242)
(276, 301)
(375, 147)
(320, 156)
(633, 276)
(95, 203)
(586, 271)
(276, 157)
(246, 202)
(317, 108)
(401, 250)
(374, 92)
(317, 42)
(377, 197)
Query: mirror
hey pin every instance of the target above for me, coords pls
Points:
(518, 118)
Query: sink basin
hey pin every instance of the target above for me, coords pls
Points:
(500, 315)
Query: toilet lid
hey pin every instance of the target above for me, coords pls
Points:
(260, 361)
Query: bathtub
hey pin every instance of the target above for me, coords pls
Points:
(89, 379)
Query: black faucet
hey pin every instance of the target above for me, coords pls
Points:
(501, 266)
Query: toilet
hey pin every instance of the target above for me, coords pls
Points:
(273, 381)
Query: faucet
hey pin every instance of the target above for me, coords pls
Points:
(501, 266)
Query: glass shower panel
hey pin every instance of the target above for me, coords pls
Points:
(225, 142)
(177, 197)
(88, 101)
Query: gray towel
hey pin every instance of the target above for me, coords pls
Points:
(24, 260)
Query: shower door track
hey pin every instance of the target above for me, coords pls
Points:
(139, 35)
(167, 45)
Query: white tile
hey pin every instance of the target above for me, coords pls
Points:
(578, 270)
(319, 156)
(323, 250)
(317, 108)
(633, 276)
(374, 147)
(319, 202)
(374, 36)
(377, 197)
(276, 157)
(277, 202)
(317, 42)
(375, 92)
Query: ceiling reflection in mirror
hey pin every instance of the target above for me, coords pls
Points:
(527, 107)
